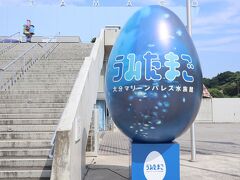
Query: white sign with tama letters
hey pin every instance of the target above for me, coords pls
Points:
(154, 166)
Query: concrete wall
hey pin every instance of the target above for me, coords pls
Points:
(205, 111)
(110, 35)
(72, 131)
(226, 110)
(219, 110)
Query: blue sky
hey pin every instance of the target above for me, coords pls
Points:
(216, 24)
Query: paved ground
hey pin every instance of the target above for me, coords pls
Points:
(218, 155)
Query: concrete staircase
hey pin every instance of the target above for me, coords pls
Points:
(31, 109)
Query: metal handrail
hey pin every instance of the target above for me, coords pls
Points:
(24, 53)
(48, 51)
(16, 59)
(13, 35)
(45, 55)
(3, 50)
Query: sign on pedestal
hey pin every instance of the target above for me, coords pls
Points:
(155, 161)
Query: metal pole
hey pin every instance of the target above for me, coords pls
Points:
(193, 143)
(189, 17)
(192, 129)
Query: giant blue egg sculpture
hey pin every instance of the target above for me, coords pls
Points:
(153, 82)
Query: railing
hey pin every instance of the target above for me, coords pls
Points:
(17, 33)
(20, 65)
(7, 48)
(11, 74)
(69, 141)
(51, 49)
(12, 35)
(16, 59)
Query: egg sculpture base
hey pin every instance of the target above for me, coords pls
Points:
(155, 161)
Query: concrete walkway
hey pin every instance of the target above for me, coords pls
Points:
(218, 155)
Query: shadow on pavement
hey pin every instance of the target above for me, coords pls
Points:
(213, 171)
(105, 172)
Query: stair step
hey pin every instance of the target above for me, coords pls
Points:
(36, 100)
(25, 174)
(5, 144)
(47, 80)
(55, 71)
(52, 88)
(26, 91)
(50, 76)
(23, 157)
(44, 82)
(29, 121)
(57, 74)
(76, 59)
(31, 116)
(29, 153)
(25, 168)
(59, 63)
(26, 135)
(30, 110)
(32, 105)
(30, 163)
(27, 128)
(43, 85)
(58, 67)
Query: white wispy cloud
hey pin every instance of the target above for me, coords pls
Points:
(226, 44)
(228, 15)
(219, 41)
(221, 48)
(218, 30)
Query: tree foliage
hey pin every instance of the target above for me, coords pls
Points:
(216, 93)
(226, 84)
